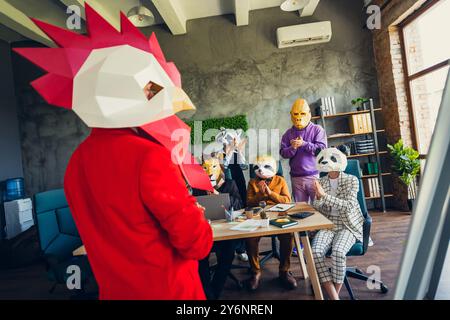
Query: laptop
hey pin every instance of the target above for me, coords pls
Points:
(213, 205)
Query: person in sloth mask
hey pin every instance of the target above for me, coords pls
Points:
(272, 189)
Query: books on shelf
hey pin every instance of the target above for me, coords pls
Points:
(327, 106)
(371, 168)
(365, 146)
(360, 123)
(371, 188)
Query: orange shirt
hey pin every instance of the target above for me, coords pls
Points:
(278, 186)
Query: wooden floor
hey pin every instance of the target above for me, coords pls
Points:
(389, 232)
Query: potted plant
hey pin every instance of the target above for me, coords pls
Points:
(359, 103)
(407, 166)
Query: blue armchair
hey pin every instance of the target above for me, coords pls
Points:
(58, 237)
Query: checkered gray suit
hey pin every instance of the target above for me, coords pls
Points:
(348, 227)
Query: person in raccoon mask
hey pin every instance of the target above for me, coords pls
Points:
(336, 198)
(272, 189)
(224, 249)
(299, 144)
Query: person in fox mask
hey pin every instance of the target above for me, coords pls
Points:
(224, 250)
(126, 183)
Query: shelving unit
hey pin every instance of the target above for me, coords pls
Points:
(342, 114)
(366, 155)
(349, 135)
(369, 136)
(375, 175)
(376, 198)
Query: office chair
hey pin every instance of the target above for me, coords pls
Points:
(58, 237)
(359, 248)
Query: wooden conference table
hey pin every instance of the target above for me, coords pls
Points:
(221, 232)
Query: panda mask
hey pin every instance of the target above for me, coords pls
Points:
(265, 167)
(331, 159)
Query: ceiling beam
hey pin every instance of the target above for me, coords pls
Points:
(106, 10)
(79, 3)
(19, 22)
(241, 12)
(310, 8)
(172, 14)
(9, 35)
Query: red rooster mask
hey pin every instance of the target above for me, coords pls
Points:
(103, 76)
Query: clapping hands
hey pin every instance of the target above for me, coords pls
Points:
(264, 188)
(318, 190)
(297, 143)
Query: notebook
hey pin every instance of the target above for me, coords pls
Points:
(283, 222)
(281, 207)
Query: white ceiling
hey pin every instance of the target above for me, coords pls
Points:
(195, 9)
(14, 14)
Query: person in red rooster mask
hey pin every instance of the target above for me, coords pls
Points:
(142, 231)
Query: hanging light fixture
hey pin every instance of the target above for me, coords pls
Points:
(141, 16)
(294, 5)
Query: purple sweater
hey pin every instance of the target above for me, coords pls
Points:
(303, 160)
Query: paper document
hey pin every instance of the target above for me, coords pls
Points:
(281, 207)
(251, 225)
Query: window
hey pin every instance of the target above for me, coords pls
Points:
(427, 52)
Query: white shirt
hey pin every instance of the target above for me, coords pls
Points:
(333, 192)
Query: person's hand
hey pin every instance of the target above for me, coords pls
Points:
(262, 186)
(200, 206)
(297, 143)
(211, 193)
(268, 191)
(229, 148)
(318, 190)
(241, 145)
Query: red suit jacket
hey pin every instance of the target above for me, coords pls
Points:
(141, 229)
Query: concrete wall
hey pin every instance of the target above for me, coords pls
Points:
(10, 152)
(49, 135)
(229, 70)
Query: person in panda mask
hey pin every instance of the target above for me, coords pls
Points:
(272, 189)
(336, 198)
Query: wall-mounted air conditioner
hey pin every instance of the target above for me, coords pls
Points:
(304, 34)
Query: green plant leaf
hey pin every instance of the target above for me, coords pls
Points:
(236, 122)
(405, 162)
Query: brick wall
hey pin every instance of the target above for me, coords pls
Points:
(391, 78)
(419, 88)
